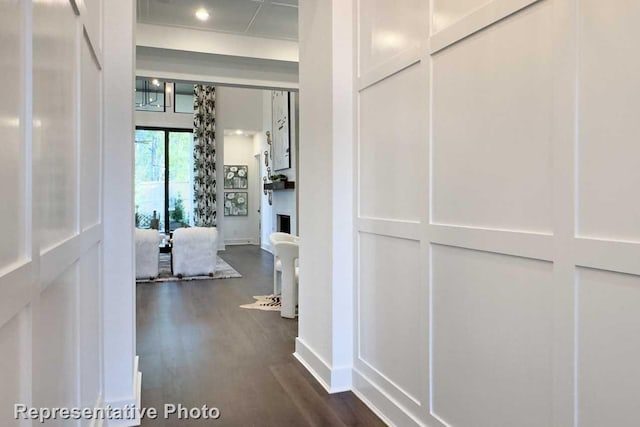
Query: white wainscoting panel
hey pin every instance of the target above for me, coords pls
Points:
(90, 143)
(11, 119)
(392, 146)
(55, 352)
(527, 220)
(491, 338)
(50, 286)
(386, 292)
(388, 28)
(492, 126)
(608, 106)
(13, 338)
(93, 21)
(608, 324)
(89, 321)
(448, 12)
(54, 114)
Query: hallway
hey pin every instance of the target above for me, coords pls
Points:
(197, 346)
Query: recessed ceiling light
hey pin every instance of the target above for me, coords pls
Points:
(155, 82)
(239, 132)
(202, 14)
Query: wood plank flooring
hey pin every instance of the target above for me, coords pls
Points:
(198, 347)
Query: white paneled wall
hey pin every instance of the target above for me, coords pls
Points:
(498, 281)
(50, 169)
(10, 118)
(478, 181)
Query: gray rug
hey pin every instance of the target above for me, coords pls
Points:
(223, 271)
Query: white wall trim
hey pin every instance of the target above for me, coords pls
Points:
(383, 405)
(93, 34)
(98, 422)
(398, 63)
(14, 296)
(478, 20)
(334, 380)
(118, 298)
(517, 243)
(409, 230)
(241, 241)
(135, 399)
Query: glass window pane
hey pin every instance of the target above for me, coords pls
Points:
(149, 95)
(149, 178)
(180, 179)
(184, 98)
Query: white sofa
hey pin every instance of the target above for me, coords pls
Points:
(194, 251)
(147, 243)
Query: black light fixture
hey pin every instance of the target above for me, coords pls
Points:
(150, 94)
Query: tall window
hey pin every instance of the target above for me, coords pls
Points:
(164, 178)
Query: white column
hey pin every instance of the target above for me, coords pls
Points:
(325, 341)
(121, 379)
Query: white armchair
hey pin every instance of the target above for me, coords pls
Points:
(194, 251)
(147, 243)
(277, 263)
(285, 272)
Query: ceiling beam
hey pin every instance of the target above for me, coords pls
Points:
(189, 40)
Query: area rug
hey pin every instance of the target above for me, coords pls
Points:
(264, 302)
(223, 271)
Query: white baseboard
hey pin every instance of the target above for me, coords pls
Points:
(247, 241)
(98, 422)
(266, 247)
(134, 400)
(381, 404)
(334, 380)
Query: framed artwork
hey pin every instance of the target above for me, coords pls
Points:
(280, 130)
(236, 203)
(235, 177)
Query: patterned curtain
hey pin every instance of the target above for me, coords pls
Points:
(204, 156)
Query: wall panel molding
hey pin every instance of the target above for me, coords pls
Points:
(477, 20)
(92, 30)
(560, 224)
(42, 287)
(400, 393)
(515, 243)
(621, 257)
(14, 295)
(409, 230)
(384, 405)
(395, 65)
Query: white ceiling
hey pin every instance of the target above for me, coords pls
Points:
(275, 19)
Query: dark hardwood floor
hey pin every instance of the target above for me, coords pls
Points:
(197, 347)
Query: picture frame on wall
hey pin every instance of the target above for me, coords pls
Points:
(236, 177)
(236, 203)
(280, 127)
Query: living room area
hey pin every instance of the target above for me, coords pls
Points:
(215, 166)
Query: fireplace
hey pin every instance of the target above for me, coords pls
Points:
(284, 223)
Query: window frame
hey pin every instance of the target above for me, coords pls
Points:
(167, 131)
